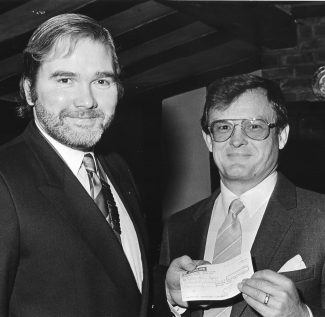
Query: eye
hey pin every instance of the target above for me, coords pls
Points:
(222, 127)
(64, 80)
(104, 82)
(255, 126)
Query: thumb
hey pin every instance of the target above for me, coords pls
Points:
(184, 263)
(201, 262)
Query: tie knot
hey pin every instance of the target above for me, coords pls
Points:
(236, 207)
(89, 163)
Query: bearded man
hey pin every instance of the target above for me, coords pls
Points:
(71, 231)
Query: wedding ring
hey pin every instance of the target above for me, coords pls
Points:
(266, 299)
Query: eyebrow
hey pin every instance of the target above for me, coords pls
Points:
(105, 74)
(60, 73)
(98, 75)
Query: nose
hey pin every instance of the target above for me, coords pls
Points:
(85, 97)
(238, 137)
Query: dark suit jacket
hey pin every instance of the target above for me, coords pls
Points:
(293, 223)
(58, 255)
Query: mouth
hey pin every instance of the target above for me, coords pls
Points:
(83, 114)
(87, 117)
(240, 155)
(84, 122)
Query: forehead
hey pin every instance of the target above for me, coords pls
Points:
(67, 45)
(250, 104)
(86, 58)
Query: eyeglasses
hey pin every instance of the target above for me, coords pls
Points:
(256, 129)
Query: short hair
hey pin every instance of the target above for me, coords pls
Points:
(46, 37)
(222, 92)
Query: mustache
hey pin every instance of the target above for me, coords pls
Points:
(82, 114)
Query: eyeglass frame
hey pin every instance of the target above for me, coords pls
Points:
(269, 125)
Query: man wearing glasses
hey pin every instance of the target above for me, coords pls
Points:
(256, 210)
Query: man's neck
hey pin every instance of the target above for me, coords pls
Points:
(239, 188)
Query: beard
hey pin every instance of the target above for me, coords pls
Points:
(78, 129)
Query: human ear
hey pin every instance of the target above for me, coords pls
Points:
(27, 91)
(283, 137)
(208, 140)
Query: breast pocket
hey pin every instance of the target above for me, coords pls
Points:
(300, 275)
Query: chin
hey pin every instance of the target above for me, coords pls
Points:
(78, 138)
(82, 144)
(237, 173)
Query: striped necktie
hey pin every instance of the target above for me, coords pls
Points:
(227, 246)
(228, 242)
(101, 193)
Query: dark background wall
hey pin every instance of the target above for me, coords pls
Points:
(303, 158)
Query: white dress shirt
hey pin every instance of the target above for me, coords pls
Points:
(73, 158)
(255, 201)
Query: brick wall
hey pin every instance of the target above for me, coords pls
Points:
(294, 67)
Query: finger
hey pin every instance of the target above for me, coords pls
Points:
(256, 289)
(257, 286)
(263, 309)
(273, 277)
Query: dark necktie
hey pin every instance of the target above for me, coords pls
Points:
(101, 193)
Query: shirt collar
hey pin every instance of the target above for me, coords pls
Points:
(72, 157)
(254, 198)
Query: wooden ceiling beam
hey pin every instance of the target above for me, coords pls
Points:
(306, 9)
(136, 16)
(187, 49)
(31, 14)
(10, 97)
(10, 66)
(166, 42)
(250, 21)
(189, 66)
(242, 66)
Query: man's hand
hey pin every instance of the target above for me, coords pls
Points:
(272, 294)
(178, 267)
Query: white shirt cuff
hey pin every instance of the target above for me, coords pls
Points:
(176, 310)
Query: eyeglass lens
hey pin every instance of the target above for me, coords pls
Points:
(255, 129)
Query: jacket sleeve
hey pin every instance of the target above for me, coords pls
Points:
(9, 247)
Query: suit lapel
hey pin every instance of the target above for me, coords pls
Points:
(201, 226)
(75, 206)
(127, 195)
(274, 227)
